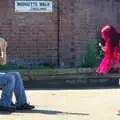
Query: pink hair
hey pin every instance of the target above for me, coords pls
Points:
(111, 37)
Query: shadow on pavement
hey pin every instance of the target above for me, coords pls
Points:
(79, 88)
(51, 112)
(5, 113)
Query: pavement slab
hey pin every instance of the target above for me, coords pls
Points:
(70, 104)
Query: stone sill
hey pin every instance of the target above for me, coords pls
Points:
(66, 77)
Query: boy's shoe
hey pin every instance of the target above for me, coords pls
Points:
(7, 109)
(25, 106)
(12, 104)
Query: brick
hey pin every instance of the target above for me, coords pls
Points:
(34, 35)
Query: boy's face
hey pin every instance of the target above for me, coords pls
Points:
(1, 60)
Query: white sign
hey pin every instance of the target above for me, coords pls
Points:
(33, 6)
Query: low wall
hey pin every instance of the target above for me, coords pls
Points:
(65, 77)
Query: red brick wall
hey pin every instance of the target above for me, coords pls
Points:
(29, 35)
(34, 35)
(80, 21)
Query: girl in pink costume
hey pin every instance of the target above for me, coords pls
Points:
(111, 58)
(111, 49)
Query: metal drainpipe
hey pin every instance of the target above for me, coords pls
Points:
(58, 33)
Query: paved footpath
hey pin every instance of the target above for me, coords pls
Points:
(80, 104)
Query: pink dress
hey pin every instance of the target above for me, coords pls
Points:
(110, 62)
(112, 54)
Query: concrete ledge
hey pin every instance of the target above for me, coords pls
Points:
(67, 77)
